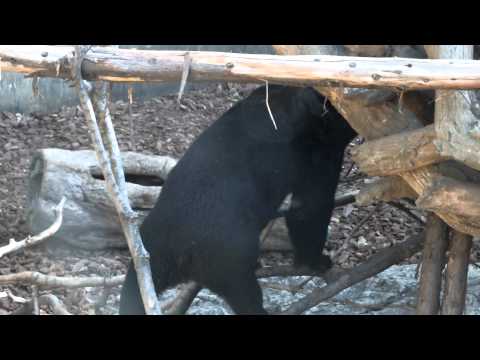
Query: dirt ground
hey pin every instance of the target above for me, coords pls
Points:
(159, 126)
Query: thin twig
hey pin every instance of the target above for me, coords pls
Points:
(130, 101)
(284, 270)
(33, 240)
(50, 300)
(268, 106)
(57, 307)
(36, 307)
(349, 169)
(185, 72)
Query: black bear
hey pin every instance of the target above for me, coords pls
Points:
(230, 183)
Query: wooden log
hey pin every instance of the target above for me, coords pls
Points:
(457, 272)
(457, 114)
(385, 189)
(452, 196)
(380, 120)
(394, 154)
(127, 65)
(89, 219)
(434, 256)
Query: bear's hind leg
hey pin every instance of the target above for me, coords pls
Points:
(244, 296)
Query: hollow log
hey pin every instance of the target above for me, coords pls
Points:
(394, 154)
(89, 219)
(433, 261)
(457, 271)
(128, 65)
(457, 114)
(380, 120)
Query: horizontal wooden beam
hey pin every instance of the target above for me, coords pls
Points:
(394, 154)
(128, 65)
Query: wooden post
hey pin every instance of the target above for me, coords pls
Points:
(457, 271)
(457, 115)
(449, 110)
(436, 243)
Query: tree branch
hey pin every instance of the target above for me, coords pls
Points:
(33, 240)
(346, 278)
(49, 281)
(110, 163)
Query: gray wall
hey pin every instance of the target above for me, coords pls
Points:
(16, 91)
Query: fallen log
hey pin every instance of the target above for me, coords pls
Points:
(89, 218)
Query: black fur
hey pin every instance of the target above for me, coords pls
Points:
(216, 201)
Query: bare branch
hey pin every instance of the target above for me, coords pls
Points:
(185, 72)
(343, 279)
(54, 303)
(284, 270)
(35, 303)
(112, 170)
(49, 281)
(33, 240)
